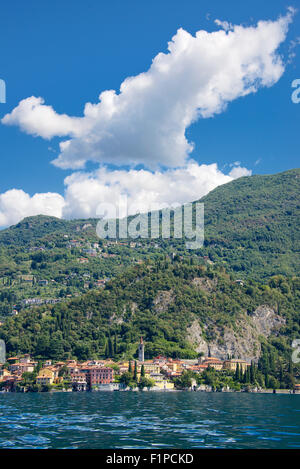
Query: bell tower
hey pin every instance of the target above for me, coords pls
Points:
(141, 350)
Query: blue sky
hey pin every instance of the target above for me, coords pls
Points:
(68, 52)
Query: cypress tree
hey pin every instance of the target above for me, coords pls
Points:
(135, 371)
(252, 373)
(272, 362)
(130, 367)
(281, 375)
(106, 351)
(142, 371)
(115, 344)
(237, 372)
(110, 347)
(266, 380)
(241, 374)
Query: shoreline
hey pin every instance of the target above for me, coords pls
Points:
(287, 392)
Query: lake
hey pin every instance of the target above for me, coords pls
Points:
(149, 420)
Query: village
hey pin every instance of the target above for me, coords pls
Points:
(101, 375)
(160, 373)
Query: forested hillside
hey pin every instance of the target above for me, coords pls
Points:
(251, 227)
(252, 224)
(159, 301)
(66, 293)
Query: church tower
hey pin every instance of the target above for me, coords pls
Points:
(141, 350)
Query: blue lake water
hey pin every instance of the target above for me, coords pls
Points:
(149, 420)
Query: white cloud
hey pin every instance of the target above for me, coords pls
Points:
(85, 191)
(16, 204)
(146, 121)
(224, 24)
(33, 117)
(238, 172)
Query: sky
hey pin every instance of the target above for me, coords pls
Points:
(157, 101)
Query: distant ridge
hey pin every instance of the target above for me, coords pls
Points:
(251, 225)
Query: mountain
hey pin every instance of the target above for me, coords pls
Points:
(252, 224)
(41, 227)
(251, 227)
(238, 295)
(179, 308)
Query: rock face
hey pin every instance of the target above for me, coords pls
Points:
(266, 320)
(162, 301)
(242, 341)
(195, 336)
(205, 284)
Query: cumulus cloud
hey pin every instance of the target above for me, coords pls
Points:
(224, 24)
(35, 118)
(238, 172)
(16, 204)
(146, 121)
(85, 191)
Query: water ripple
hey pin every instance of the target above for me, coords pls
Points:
(149, 420)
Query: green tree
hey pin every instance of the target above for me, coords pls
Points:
(126, 378)
(135, 371)
(146, 383)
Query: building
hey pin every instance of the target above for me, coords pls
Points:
(213, 362)
(3, 374)
(232, 364)
(100, 283)
(23, 365)
(27, 279)
(43, 282)
(98, 375)
(10, 381)
(12, 360)
(79, 380)
(160, 360)
(149, 367)
(160, 382)
(198, 368)
(26, 359)
(240, 282)
(141, 350)
(45, 376)
(110, 387)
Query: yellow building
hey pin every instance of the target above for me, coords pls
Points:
(150, 368)
(164, 384)
(232, 364)
(45, 376)
(161, 382)
(4, 373)
(213, 363)
(174, 366)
